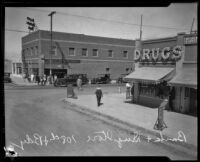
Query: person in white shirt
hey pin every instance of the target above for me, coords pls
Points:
(32, 76)
(128, 90)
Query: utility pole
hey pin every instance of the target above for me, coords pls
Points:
(51, 15)
(192, 26)
(141, 29)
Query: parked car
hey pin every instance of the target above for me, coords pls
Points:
(101, 79)
(71, 79)
(7, 78)
(121, 78)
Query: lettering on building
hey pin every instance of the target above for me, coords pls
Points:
(190, 40)
(157, 54)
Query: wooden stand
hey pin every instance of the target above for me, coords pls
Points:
(160, 124)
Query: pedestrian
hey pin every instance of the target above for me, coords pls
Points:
(99, 95)
(128, 90)
(32, 76)
(79, 83)
(48, 80)
(44, 79)
(24, 77)
(55, 78)
(28, 78)
(37, 79)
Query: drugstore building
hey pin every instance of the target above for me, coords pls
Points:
(163, 64)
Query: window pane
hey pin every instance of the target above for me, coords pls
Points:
(95, 52)
(125, 54)
(71, 51)
(84, 52)
(110, 53)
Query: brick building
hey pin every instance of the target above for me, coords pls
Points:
(76, 53)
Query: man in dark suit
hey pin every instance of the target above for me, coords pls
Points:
(99, 95)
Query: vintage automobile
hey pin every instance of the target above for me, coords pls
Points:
(101, 79)
(70, 79)
(7, 78)
(121, 78)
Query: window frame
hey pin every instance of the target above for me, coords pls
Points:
(73, 51)
(82, 49)
(109, 53)
(96, 53)
(125, 53)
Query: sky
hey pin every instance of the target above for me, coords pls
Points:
(115, 22)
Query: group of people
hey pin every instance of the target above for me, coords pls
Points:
(40, 80)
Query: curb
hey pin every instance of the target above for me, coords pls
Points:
(130, 128)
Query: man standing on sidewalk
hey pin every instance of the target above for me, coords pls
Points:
(99, 95)
(128, 90)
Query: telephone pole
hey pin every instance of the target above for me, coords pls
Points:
(141, 29)
(192, 26)
(51, 15)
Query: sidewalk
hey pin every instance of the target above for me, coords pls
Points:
(143, 118)
(18, 80)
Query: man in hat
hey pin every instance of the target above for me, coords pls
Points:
(99, 95)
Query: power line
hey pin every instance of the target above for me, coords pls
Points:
(100, 19)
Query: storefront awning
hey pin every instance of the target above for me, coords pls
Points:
(153, 74)
(186, 77)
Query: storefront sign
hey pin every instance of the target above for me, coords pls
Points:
(156, 54)
(190, 40)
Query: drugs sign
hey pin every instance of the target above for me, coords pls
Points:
(156, 54)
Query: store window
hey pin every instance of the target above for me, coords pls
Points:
(72, 51)
(147, 89)
(154, 90)
(95, 52)
(84, 52)
(125, 54)
(110, 53)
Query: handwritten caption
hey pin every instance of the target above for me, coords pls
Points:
(99, 136)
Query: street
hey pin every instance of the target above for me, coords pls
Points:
(38, 123)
